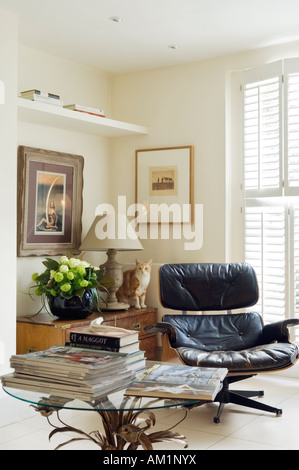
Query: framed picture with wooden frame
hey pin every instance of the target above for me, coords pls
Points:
(165, 176)
(49, 213)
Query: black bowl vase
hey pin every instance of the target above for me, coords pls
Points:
(73, 308)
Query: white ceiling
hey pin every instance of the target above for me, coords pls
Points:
(80, 30)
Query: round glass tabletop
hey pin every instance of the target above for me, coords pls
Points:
(113, 402)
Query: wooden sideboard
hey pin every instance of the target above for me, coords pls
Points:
(36, 333)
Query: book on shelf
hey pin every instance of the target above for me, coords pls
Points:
(70, 372)
(105, 336)
(85, 109)
(37, 95)
(178, 382)
(91, 114)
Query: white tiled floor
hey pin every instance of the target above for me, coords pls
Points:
(240, 429)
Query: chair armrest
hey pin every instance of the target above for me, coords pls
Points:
(278, 331)
(163, 328)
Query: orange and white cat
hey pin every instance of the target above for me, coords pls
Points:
(135, 282)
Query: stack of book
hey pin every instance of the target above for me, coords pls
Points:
(37, 95)
(178, 382)
(109, 338)
(85, 109)
(74, 373)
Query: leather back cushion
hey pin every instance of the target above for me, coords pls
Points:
(208, 286)
(217, 332)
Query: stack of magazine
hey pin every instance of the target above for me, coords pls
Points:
(65, 371)
(178, 382)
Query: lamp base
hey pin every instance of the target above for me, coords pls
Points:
(114, 306)
(114, 270)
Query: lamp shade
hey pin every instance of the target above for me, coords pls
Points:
(111, 231)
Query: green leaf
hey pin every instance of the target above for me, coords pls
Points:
(51, 263)
(95, 298)
(43, 278)
(93, 283)
(79, 292)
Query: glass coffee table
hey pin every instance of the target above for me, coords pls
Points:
(126, 420)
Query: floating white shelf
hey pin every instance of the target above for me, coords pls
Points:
(54, 116)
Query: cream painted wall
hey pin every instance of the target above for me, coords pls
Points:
(75, 84)
(192, 104)
(179, 109)
(8, 168)
(8, 171)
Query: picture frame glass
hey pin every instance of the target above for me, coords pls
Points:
(165, 176)
(49, 202)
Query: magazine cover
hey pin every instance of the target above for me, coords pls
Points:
(67, 356)
(178, 382)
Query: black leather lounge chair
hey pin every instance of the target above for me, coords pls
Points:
(239, 342)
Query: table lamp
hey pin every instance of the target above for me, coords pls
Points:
(111, 241)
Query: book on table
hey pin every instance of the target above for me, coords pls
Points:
(104, 336)
(178, 382)
(128, 348)
(135, 357)
(109, 338)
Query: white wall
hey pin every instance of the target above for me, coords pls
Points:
(8, 171)
(182, 105)
(191, 104)
(75, 84)
(22, 68)
(8, 188)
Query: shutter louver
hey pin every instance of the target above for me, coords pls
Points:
(262, 155)
(253, 246)
(293, 130)
(296, 266)
(265, 250)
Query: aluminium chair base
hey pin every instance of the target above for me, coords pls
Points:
(241, 397)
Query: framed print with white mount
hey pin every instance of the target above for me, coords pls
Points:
(165, 178)
(49, 214)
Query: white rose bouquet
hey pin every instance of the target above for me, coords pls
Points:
(70, 277)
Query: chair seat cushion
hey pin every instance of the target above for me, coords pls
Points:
(217, 332)
(257, 359)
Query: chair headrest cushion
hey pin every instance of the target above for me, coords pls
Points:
(208, 286)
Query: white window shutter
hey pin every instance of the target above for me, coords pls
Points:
(271, 184)
(291, 128)
(262, 94)
(294, 266)
(265, 250)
